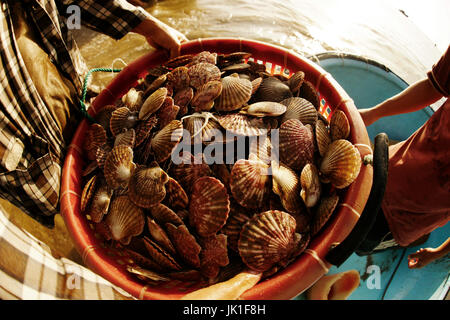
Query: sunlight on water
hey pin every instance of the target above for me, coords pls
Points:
(375, 29)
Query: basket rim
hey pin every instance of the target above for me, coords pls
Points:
(290, 281)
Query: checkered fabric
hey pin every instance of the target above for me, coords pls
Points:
(29, 271)
(32, 148)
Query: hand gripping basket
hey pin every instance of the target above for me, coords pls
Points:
(300, 274)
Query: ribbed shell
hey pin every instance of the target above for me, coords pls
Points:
(323, 138)
(185, 243)
(261, 147)
(88, 193)
(133, 99)
(95, 138)
(339, 125)
(189, 170)
(341, 163)
(308, 92)
(266, 239)
(147, 186)
(300, 109)
(100, 201)
(205, 56)
(311, 187)
(296, 144)
(144, 128)
(286, 184)
(237, 218)
(126, 138)
(205, 96)
(122, 119)
(176, 197)
(323, 212)
(167, 113)
(160, 236)
(295, 81)
(182, 98)
(264, 109)
(214, 255)
(243, 125)
(103, 117)
(161, 256)
(179, 77)
(235, 93)
(163, 214)
(209, 206)
(250, 183)
(272, 89)
(203, 72)
(152, 103)
(166, 140)
(119, 167)
(124, 219)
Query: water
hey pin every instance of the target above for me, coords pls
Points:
(374, 29)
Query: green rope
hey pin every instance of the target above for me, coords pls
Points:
(84, 92)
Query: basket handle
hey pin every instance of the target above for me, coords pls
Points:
(341, 252)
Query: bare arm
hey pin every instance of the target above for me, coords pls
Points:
(423, 257)
(417, 96)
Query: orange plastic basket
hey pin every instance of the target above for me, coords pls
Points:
(299, 275)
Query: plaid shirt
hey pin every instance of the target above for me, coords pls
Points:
(32, 147)
(29, 271)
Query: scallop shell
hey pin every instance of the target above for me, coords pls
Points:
(204, 57)
(179, 61)
(256, 83)
(311, 187)
(235, 93)
(323, 212)
(266, 239)
(264, 109)
(286, 184)
(166, 140)
(179, 78)
(163, 214)
(182, 98)
(100, 201)
(145, 273)
(155, 84)
(202, 73)
(250, 183)
(176, 197)
(295, 81)
(95, 138)
(272, 89)
(214, 255)
(167, 113)
(209, 206)
(232, 229)
(160, 256)
(119, 167)
(160, 236)
(103, 117)
(122, 119)
(236, 67)
(240, 124)
(323, 138)
(189, 170)
(205, 96)
(296, 144)
(261, 148)
(144, 128)
(147, 186)
(185, 243)
(308, 92)
(124, 219)
(339, 125)
(341, 163)
(126, 138)
(301, 109)
(87, 193)
(133, 99)
(152, 103)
